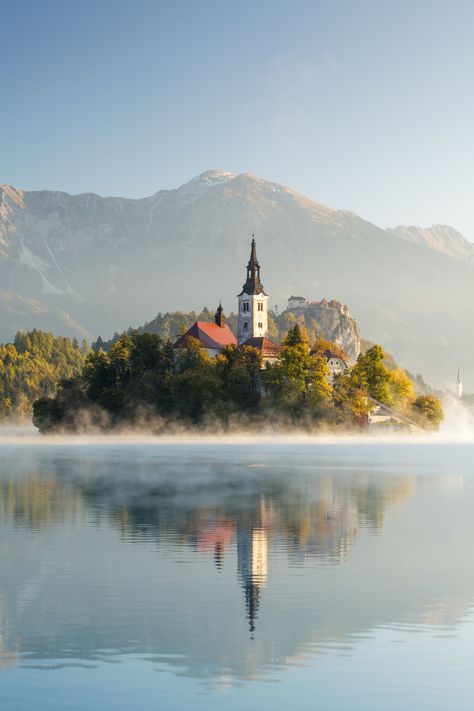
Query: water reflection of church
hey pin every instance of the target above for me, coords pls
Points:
(322, 526)
(252, 567)
(249, 531)
(220, 586)
(322, 529)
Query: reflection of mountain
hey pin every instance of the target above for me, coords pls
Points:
(218, 566)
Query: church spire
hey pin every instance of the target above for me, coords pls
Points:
(459, 384)
(253, 285)
(253, 253)
(219, 317)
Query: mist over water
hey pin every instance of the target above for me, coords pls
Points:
(457, 426)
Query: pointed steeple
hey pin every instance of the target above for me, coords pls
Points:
(253, 253)
(219, 317)
(253, 285)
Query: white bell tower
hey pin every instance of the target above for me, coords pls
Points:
(253, 303)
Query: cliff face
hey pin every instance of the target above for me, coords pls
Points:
(333, 321)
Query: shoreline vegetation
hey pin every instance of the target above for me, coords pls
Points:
(31, 367)
(142, 384)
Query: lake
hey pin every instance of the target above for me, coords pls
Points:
(236, 575)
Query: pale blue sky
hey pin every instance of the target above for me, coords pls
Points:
(366, 105)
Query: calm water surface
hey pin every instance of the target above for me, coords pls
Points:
(252, 576)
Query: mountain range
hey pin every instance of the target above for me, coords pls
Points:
(85, 265)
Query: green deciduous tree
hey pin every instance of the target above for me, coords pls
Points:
(429, 409)
(298, 382)
(374, 375)
(31, 367)
(239, 372)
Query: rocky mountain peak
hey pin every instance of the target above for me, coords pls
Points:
(442, 238)
(108, 263)
(206, 180)
(10, 198)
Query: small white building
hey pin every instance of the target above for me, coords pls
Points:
(297, 302)
(336, 365)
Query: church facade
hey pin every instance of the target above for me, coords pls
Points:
(253, 303)
(252, 323)
(252, 326)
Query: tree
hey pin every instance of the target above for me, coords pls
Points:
(239, 371)
(298, 381)
(64, 410)
(401, 387)
(319, 388)
(31, 368)
(350, 397)
(429, 409)
(99, 378)
(134, 374)
(374, 375)
(195, 386)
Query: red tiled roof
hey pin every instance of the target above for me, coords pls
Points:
(209, 334)
(264, 345)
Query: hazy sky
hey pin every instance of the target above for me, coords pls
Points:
(362, 105)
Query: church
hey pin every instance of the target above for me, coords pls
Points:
(252, 329)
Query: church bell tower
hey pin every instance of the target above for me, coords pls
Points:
(253, 302)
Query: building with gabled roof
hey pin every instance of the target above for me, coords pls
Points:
(213, 336)
(297, 302)
(335, 363)
(269, 351)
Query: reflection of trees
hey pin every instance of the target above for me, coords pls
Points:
(322, 522)
(373, 498)
(319, 520)
(312, 518)
(37, 502)
(327, 526)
